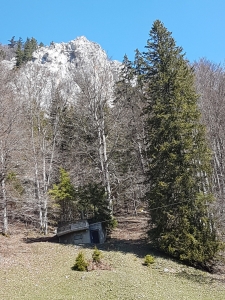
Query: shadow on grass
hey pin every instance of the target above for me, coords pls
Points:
(139, 248)
(199, 278)
(41, 239)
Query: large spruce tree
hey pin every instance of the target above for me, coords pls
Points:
(179, 161)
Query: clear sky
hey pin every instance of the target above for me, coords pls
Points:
(119, 26)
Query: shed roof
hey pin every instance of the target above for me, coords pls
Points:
(78, 226)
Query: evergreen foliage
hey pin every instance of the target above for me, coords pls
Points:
(67, 131)
(12, 42)
(93, 199)
(19, 53)
(65, 195)
(64, 190)
(149, 260)
(89, 200)
(97, 255)
(23, 51)
(29, 47)
(80, 263)
(179, 165)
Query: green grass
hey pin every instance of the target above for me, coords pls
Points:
(45, 273)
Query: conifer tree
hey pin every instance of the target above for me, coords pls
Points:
(65, 195)
(93, 197)
(29, 47)
(19, 53)
(179, 165)
(12, 42)
(27, 51)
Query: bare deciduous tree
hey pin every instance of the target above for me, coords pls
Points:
(94, 98)
(131, 165)
(210, 85)
(10, 137)
(38, 93)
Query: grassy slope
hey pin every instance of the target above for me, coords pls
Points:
(43, 271)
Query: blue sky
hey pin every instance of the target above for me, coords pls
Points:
(119, 26)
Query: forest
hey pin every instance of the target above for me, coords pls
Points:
(150, 142)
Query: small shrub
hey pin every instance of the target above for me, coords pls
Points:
(80, 263)
(97, 255)
(113, 223)
(149, 259)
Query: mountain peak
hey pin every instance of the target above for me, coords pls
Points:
(59, 57)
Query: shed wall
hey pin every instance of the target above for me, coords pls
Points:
(78, 237)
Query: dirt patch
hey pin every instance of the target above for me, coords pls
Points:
(98, 266)
(131, 229)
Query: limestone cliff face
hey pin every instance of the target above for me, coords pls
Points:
(64, 64)
(63, 58)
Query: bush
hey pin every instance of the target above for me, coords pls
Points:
(149, 259)
(97, 255)
(113, 223)
(80, 263)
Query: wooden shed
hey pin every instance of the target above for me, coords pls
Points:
(81, 232)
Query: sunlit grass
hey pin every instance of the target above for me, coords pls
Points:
(45, 273)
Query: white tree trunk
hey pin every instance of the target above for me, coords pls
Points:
(3, 188)
(100, 121)
(5, 211)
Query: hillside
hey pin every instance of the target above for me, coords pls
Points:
(32, 267)
(72, 127)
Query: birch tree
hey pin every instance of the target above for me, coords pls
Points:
(10, 138)
(39, 93)
(210, 85)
